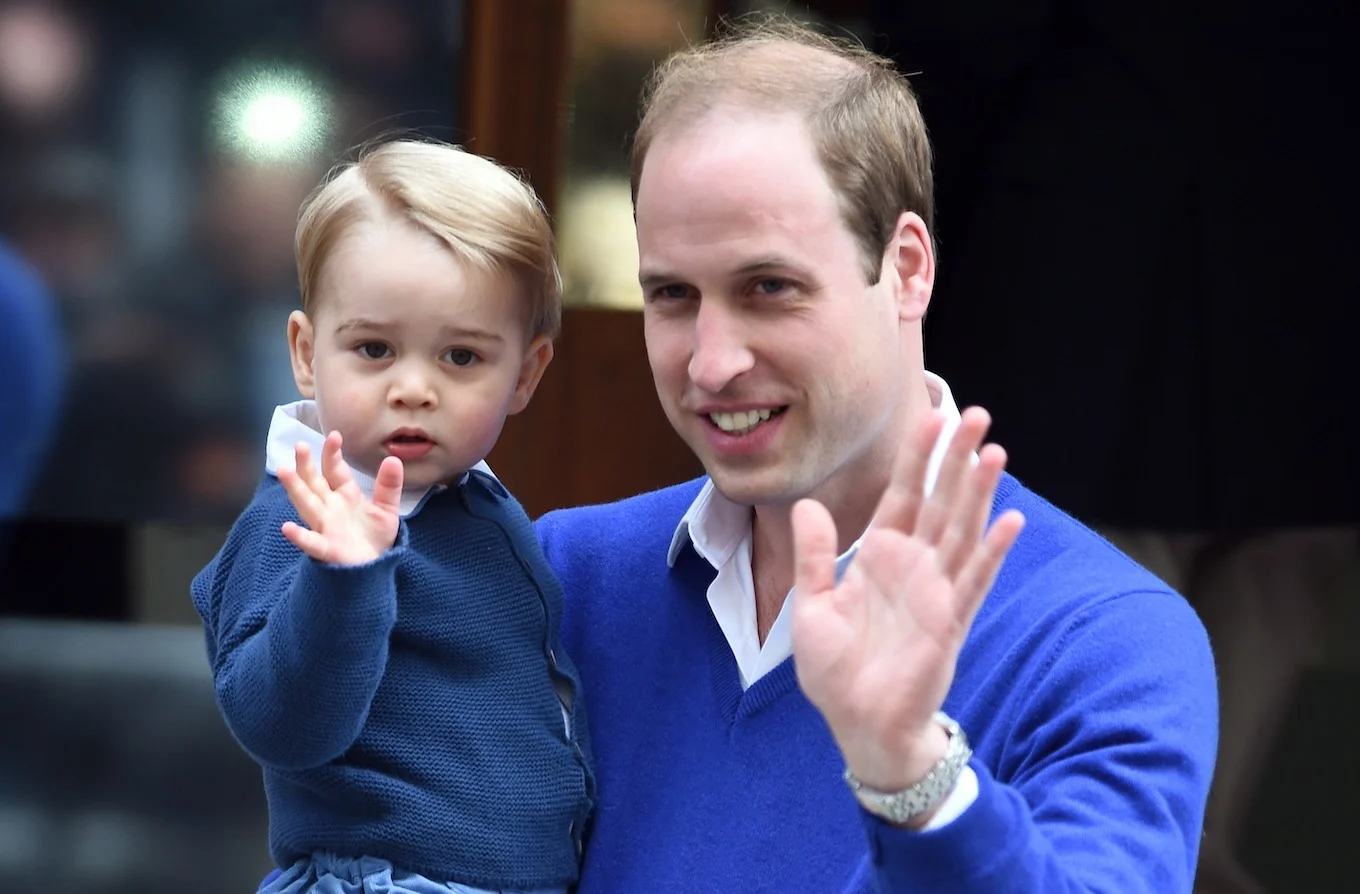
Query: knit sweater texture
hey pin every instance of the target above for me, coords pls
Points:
(1086, 686)
(411, 708)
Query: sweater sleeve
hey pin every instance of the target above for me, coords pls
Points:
(297, 647)
(1102, 784)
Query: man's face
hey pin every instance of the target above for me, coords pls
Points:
(775, 360)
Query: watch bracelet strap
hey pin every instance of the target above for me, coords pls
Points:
(909, 803)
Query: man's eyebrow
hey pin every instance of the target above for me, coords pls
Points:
(765, 265)
(650, 279)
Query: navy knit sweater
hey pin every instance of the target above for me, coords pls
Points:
(406, 709)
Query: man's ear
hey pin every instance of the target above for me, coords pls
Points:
(536, 360)
(909, 264)
(302, 352)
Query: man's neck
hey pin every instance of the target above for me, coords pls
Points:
(772, 553)
(851, 500)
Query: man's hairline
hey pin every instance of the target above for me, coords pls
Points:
(683, 125)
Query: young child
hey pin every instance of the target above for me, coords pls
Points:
(382, 625)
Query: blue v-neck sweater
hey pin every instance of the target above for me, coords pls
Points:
(1086, 686)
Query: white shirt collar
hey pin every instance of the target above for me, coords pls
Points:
(717, 526)
(298, 421)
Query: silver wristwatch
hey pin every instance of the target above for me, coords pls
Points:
(904, 806)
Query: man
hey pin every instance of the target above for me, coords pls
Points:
(783, 204)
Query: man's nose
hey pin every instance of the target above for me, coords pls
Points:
(721, 352)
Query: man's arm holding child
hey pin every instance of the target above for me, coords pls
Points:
(299, 606)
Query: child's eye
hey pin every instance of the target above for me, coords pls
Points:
(461, 357)
(374, 350)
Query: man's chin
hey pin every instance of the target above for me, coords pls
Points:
(752, 487)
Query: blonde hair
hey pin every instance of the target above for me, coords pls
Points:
(487, 216)
(861, 113)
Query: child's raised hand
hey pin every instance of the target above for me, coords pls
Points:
(343, 528)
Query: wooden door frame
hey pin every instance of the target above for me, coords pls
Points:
(595, 431)
(516, 77)
(516, 83)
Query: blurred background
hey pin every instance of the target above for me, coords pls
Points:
(1147, 230)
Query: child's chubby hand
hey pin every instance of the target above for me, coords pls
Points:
(342, 526)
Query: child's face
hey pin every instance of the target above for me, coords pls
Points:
(412, 354)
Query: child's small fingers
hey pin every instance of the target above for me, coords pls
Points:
(333, 466)
(307, 470)
(310, 542)
(308, 505)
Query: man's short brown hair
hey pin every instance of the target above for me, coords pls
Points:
(862, 115)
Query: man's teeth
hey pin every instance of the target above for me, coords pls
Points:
(740, 423)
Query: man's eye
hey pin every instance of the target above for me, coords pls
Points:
(374, 350)
(673, 292)
(461, 357)
(771, 286)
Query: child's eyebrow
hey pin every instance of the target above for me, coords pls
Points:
(468, 332)
(472, 332)
(359, 323)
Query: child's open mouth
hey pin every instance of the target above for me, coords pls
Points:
(408, 445)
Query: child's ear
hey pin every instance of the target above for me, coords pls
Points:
(302, 350)
(536, 360)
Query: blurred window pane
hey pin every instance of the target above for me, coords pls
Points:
(153, 155)
(614, 45)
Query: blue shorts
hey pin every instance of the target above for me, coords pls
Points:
(328, 874)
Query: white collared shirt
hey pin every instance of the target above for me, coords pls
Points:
(720, 531)
(298, 421)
